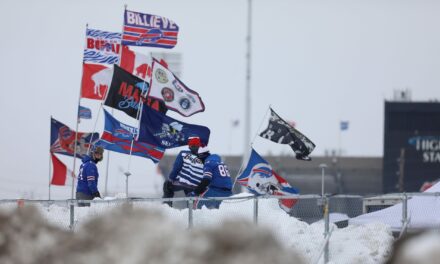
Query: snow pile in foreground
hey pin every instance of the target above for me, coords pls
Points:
(158, 228)
(127, 235)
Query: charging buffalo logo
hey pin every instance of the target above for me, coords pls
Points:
(167, 94)
(161, 76)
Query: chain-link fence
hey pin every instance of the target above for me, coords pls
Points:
(324, 214)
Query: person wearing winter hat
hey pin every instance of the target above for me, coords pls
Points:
(87, 187)
(187, 171)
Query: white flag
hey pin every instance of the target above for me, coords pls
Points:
(167, 87)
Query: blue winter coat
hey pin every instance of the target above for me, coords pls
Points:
(88, 177)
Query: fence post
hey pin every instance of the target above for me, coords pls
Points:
(190, 212)
(326, 228)
(404, 214)
(72, 216)
(256, 210)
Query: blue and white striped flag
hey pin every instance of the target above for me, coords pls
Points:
(102, 46)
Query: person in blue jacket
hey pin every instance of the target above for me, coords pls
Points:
(187, 171)
(87, 188)
(216, 181)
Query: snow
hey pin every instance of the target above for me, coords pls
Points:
(370, 243)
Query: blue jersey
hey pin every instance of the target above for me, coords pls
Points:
(88, 177)
(187, 169)
(217, 172)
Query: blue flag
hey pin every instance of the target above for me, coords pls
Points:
(344, 125)
(166, 132)
(84, 112)
(117, 137)
(259, 178)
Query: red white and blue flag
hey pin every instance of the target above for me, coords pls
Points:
(102, 46)
(260, 179)
(118, 136)
(62, 140)
(149, 30)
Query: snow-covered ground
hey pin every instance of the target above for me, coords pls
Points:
(370, 243)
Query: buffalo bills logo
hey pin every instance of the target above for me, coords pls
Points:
(152, 36)
(167, 94)
(185, 103)
(262, 180)
(122, 133)
(161, 76)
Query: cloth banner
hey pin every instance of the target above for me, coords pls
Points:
(136, 63)
(84, 112)
(118, 137)
(149, 30)
(167, 87)
(60, 172)
(279, 131)
(166, 132)
(260, 179)
(95, 81)
(102, 46)
(62, 140)
(126, 92)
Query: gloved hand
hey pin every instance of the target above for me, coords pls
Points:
(96, 194)
(192, 194)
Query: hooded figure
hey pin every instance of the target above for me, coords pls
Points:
(87, 188)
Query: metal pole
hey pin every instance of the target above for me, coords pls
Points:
(404, 212)
(322, 166)
(402, 170)
(247, 119)
(190, 212)
(126, 183)
(255, 210)
(50, 171)
(72, 216)
(326, 229)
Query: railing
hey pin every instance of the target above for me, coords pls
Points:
(309, 208)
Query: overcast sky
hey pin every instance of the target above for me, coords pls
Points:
(315, 62)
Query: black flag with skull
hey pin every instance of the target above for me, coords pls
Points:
(279, 131)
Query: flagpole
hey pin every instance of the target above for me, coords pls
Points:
(251, 144)
(50, 171)
(339, 139)
(247, 118)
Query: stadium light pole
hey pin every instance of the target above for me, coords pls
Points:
(247, 119)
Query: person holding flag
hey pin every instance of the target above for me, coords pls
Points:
(187, 171)
(216, 180)
(87, 188)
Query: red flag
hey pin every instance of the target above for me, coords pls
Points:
(60, 172)
(136, 63)
(96, 80)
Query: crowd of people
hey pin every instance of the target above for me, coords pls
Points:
(196, 172)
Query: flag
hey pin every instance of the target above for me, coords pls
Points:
(148, 30)
(62, 140)
(117, 137)
(279, 131)
(343, 125)
(102, 46)
(260, 179)
(60, 172)
(166, 132)
(126, 92)
(136, 63)
(95, 81)
(167, 87)
(84, 112)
